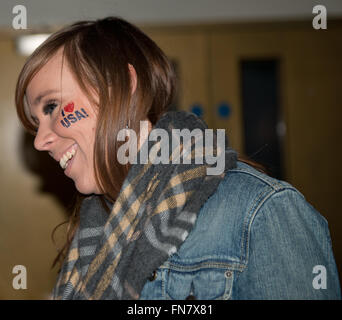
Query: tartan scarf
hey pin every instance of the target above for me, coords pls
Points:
(112, 256)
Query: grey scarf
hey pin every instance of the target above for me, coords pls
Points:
(112, 256)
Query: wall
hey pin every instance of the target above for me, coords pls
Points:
(43, 13)
(27, 216)
(32, 203)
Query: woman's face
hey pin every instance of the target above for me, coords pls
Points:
(66, 122)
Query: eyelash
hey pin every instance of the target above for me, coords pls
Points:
(49, 107)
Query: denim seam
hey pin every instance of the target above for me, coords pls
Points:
(163, 280)
(205, 265)
(275, 185)
(208, 259)
(259, 201)
(257, 209)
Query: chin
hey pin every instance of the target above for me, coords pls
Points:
(86, 188)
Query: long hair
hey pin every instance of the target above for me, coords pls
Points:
(98, 54)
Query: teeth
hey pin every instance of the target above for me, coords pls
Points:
(66, 157)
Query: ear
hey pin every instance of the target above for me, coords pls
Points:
(133, 75)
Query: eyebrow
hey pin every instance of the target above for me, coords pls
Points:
(42, 95)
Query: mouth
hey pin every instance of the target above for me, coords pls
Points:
(67, 157)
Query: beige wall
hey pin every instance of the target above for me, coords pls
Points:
(311, 92)
(27, 217)
(208, 58)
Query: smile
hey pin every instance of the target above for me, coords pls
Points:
(64, 161)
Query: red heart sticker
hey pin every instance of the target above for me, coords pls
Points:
(69, 107)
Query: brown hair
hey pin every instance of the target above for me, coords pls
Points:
(99, 54)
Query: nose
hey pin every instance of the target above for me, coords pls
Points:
(44, 139)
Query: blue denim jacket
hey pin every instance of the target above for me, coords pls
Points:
(255, 238)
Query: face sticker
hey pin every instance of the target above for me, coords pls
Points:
(70, 117)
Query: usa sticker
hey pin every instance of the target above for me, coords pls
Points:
(70, 117)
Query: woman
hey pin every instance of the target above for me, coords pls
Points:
(151, 228)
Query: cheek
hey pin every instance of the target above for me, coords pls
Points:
(72, 117)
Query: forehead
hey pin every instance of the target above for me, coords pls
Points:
(48, 78)
(52, 67)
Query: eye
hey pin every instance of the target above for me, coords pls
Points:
(49, 107)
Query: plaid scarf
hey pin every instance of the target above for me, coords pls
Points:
(112, 256)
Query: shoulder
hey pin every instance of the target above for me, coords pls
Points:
(253, 193)
(245, 191)
(248, 180)
(249, 217)
(248, 190)
(226, 221)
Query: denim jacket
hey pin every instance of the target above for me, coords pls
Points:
(255, 238)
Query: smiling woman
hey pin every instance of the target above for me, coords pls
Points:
(70, 68)
(47, 98)
(160, 230)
